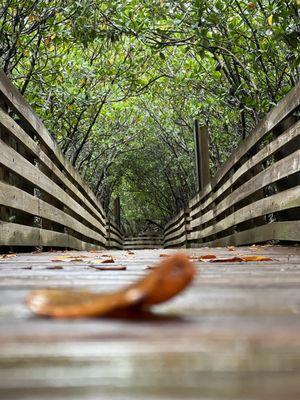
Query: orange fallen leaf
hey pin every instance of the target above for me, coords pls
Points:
(229, 259)
(167, 280)
(256, 258)
(207, 257)
(164, 255)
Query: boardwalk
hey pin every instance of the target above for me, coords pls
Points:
(235, 334)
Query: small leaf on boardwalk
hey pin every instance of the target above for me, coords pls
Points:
(109, 267)
(167, 280)
(256, 258)
(55, 267)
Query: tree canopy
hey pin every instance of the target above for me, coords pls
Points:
(119, 83)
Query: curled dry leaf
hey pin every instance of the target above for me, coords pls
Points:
(109, 267)
(207, 257)
(108, 260)
(169, 278)
(256, 258)
(69, 258)
(229, 259)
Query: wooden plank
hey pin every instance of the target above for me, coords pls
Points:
(16, 198)
(234, 334)
(21, 235)
(289, 103)
(19, 134)
(285, 231)
(16, 163)
(273, 173)
(19, 104)
(281, 201)
(276, 145)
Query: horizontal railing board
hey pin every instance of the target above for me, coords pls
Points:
(13, 197)
(19, 134)
(284, 107)
(176, 225)
(284, 231)
(269, 150)
(275, 172)
(174, 219)
(19, 165)
(19, 104)
(12, 234)
(287, 199)
(180, 230)
(272, 174)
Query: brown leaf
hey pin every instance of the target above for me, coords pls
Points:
(229, 259)
(129, 252)
(256, 258)
(207, 257)
(109, 260)
(110, 268)
(164, 255)
(169, 278)
(55, 267)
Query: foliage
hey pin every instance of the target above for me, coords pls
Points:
(118, 84)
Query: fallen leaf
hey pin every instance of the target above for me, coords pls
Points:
(100, 261)
(55, 267)
(167, 280)
(110, 268)
(229, 259)
(231, 248)
(26, 268)
(207, 257)
(69, 258)
(256, 258)
(7, 256)
(129, 252)
(164, 255)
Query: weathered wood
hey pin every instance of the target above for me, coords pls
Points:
(201, 156)
(233, 335)
(16, 163)
(21, 235)
(7, 123)
(19, 104)
(16, 198)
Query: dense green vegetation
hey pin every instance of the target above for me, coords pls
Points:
(118, 84)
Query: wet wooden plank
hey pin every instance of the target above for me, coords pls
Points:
(233, 335)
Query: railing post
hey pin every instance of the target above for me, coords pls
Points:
(201, 155)
(117, 211)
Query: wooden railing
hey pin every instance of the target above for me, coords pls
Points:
(255, 196)
(43, 200)
(114, 236)
(146, 241)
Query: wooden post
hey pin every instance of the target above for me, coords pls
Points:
(202, 156)
(117, 211)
